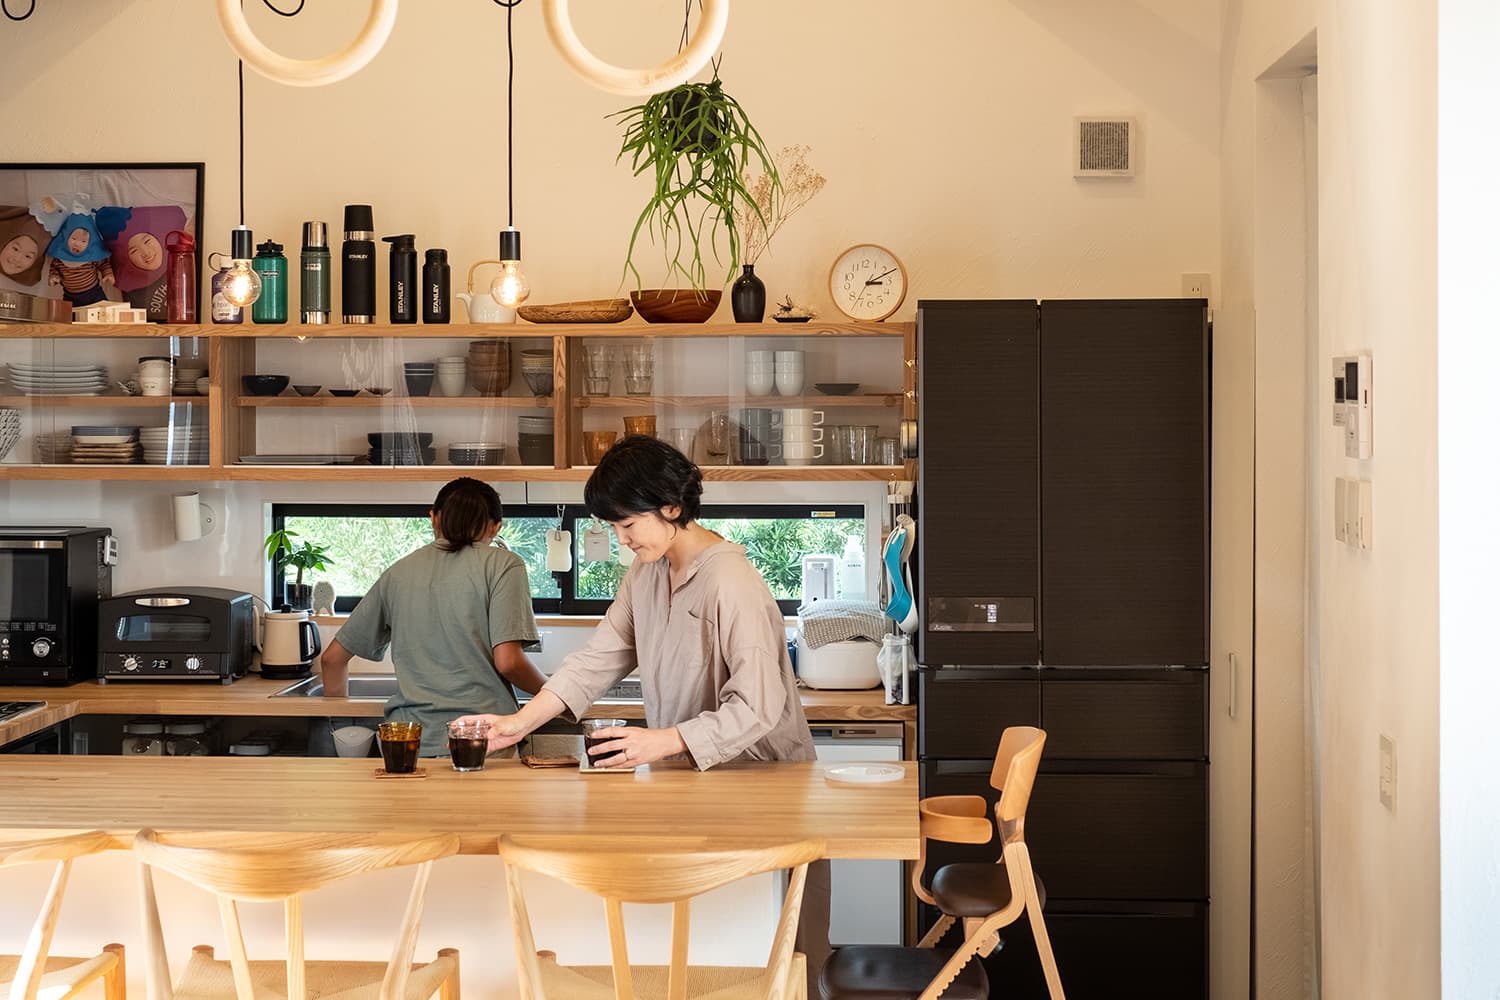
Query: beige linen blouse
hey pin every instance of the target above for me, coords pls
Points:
(712, 659)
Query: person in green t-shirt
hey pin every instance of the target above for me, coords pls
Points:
(454, 615)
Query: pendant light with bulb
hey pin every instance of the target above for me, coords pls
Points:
(241, 285)
(510, 287)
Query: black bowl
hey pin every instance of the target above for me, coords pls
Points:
(835, 388)
(399, 439)
(403, 456)
(344, 393)
(418, 385)
(265, 385)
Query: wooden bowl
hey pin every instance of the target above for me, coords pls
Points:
(676, 305)
(587, 311)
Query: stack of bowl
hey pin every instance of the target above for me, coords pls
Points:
(179, 444)
(476, 453)
(185, 380)
(106, 444)
(10, 429)
(534, 440)
(452, 375)
(55, 448)
(489, 366)
(419, 376)
(401, 448)
(536, 368)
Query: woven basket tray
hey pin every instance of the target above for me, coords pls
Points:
(588, 311)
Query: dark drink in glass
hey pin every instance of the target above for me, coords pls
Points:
(590, 741)
(468, 743)
(400, 745)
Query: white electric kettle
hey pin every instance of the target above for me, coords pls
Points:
(482, 307)
(290, 643)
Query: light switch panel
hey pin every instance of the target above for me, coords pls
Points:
(1340, 512)
(1359, 420)
(1338, 392)
(1365, 514)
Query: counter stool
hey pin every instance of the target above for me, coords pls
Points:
(34, 972)
(270, 867)
(985, 896)
(640, 873)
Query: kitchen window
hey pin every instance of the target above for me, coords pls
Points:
(363, 539)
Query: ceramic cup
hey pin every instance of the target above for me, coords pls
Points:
(155, 376)
(801, 416)
(801, 452)
(759, 381)
(800, 434)
(789, 383)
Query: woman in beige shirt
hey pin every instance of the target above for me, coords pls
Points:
(698, 622)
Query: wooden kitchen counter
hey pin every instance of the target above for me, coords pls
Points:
(734, 805)
(251, 696)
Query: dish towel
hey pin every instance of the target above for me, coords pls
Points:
(836, 620)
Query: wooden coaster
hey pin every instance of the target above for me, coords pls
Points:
(565, 761)
(420, 772)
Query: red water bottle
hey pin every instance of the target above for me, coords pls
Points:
(182, 278)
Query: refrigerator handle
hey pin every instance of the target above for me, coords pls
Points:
(1234, 686)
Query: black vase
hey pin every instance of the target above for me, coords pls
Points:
(748, 297)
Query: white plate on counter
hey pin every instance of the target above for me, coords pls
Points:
(865, 774)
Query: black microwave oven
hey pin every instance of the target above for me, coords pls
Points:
(51, 582)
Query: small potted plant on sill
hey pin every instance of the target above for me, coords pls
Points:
(303, 557)
(696, 142)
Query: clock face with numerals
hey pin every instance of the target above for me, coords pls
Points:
(867, 282)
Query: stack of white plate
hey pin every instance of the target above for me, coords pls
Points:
(181, 444)
(55, 448)
(185, 380)
(57, 379)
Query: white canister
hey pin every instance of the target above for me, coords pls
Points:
(143, 738)
(155, 376)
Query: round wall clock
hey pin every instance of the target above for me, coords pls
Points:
(867, 282)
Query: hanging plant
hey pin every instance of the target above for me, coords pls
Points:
(696, 142)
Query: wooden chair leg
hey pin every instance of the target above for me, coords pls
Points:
(933, 936)
(1043, 942)
(114, 979)
(449, 989)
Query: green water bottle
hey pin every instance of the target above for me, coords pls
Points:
(270, 264)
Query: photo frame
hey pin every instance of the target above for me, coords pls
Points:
(80, 233)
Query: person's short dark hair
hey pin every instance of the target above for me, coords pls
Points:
(642, 475)
(465, 508)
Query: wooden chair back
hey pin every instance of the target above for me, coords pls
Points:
(1014, 774)
(621, 874)
(36, 850)
(273, 867)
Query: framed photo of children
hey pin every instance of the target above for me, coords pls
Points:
(91, 232)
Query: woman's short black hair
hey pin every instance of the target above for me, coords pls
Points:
(642, 475)
(465, 508)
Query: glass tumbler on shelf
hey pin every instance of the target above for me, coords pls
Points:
(640, 364)
(596, 369)
(717, 438)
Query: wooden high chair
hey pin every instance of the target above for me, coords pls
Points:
(985, 896)
(34, 973)
(641, 873)
(268, 867)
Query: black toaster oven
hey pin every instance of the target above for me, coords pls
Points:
(184, 633)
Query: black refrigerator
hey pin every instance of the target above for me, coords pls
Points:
(1063, 581)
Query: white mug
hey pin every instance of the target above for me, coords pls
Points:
(800, 433)
(801, 453)
(801, 415)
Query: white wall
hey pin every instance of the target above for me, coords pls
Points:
(1376, 612)
(1468, 481)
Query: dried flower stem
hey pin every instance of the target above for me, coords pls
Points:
(761, 221)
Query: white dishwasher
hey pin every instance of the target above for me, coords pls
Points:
(868, 896)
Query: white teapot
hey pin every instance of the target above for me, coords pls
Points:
(483, 308)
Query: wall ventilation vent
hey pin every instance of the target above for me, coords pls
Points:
(1104, 147)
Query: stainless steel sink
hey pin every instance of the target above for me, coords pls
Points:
(362, 687)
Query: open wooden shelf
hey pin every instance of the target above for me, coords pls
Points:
(427, 473)
(425, 402)
(816, 402)
(103, 401)
(473, 331)
(160, 473)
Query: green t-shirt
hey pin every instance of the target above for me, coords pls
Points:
(442, 614)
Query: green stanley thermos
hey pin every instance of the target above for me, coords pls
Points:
(270, 264)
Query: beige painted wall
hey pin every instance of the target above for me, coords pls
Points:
(1377, 611)
(944, 134)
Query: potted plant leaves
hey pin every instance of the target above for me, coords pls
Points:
(696, 142)
(303, 557)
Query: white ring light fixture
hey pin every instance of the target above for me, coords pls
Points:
(308, 72)
(634, 82)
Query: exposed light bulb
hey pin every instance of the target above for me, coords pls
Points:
(510, 287)
(241, 284)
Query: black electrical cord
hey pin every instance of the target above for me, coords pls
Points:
(5, 6)
(285, 13)
(242, 142)
(510, 113)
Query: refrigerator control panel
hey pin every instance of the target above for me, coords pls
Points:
(981, 614)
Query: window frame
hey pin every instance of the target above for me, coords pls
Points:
(568, 603)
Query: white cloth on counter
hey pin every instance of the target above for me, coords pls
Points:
(829, 621)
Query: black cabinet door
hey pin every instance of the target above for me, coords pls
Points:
(1097, 830)
(1124, 714)
(1124, 467)
(977, 508)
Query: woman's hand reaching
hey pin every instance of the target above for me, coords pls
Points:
(631, 746)
(505, 730)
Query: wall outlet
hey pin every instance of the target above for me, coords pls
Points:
(1388, 772)
(1194, 286)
